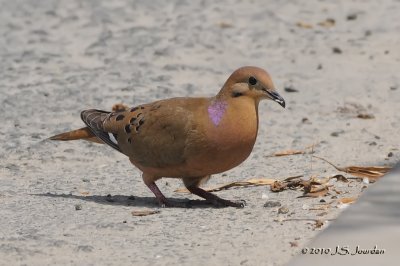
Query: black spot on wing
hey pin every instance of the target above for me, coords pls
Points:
(128, 128)
(119, 117)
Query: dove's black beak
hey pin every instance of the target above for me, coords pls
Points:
(273, 95)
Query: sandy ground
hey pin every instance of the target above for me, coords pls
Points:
(61, 57)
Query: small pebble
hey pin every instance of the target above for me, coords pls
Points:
(336, 133)
(305, 120)
(290, 88)
(264, 196)
(336, 50)
(390, 154)
(352, 17)
(78, 207)
(270, 204)
(283, 210)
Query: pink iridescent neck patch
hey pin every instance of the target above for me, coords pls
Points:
(216, 111)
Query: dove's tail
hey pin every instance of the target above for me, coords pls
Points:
(83, 133)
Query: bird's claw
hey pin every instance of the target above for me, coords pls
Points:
(241, 203)
(230, 203)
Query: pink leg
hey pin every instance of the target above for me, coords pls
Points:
(149, 180)
(162, 200)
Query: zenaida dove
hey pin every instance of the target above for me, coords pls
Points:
(187, 138)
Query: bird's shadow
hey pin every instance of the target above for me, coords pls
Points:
(121, 200)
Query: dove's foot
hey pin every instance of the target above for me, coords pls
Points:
(163, 201)
(216, 201)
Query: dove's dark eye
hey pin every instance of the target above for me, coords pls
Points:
(252, 81)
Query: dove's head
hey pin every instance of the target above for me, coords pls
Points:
(251, 82)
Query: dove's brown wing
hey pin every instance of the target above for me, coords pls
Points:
(153, 135)
(94, 120)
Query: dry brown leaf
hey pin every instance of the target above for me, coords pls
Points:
(314, 180)
(321, 207)
(337, 191)
(144, 212)
(347, 200)
(304, 25)
(278, 186)
(316, 192)
(341, 178)
(294, 182)
(250, 182)
(371, 172)
(329, 22)
(261, 181)
(319, 223)
(289, 152)
(295, 152)
(314, 187)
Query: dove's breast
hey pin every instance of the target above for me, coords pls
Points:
(230, 141)
(197, 142)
